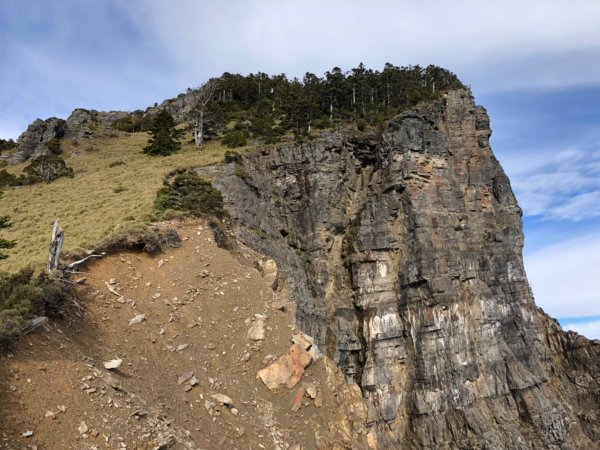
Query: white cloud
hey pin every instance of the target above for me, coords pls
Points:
(493, 44)
(562, 185)
(591, 329)
(565, 277)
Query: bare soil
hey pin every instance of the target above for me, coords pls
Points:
(198, 303)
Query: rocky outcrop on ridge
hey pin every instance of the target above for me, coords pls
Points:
(33, 142)
(403, 254)
(82, 124)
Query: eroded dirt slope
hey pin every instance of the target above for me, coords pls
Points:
(179, 323)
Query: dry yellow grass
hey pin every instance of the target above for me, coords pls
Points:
(98, 201)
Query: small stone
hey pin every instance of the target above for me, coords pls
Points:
(311, 391)
(112, 281)
(83, 428)
(61, 408)
(319, 400)
(28, 433)
(297, 399)
(209, 406)
(137, 319)
(182, 347)
(241, 431)
(257, 331)
(223, 399)
(155, 296)
(50, 415)
(113, 364)
(185, 377)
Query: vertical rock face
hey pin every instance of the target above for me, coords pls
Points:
(403, 253)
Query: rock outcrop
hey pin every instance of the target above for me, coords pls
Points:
(33, 142)
(82, 124)
(403, 253)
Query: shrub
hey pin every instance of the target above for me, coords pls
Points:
(189, 193)
(8, 179)
(241, 173)
(46, 168)
(232, 157)
(321, 123)
(138, 238)
(54, 146)
(361, 124)
(234, 139)
(5, 244)
(23, 296)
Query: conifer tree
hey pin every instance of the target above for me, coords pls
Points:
(164, 139)
(5, 244)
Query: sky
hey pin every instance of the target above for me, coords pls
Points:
(534, 65)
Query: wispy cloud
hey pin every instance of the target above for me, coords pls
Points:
(562, 185)
(565, 277)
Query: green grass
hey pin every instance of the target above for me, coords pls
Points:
(113, 189)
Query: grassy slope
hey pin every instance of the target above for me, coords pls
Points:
(87, 205)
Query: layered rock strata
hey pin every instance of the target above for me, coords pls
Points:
(403, 253)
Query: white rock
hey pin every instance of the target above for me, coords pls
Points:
(256, 332)
(113, 364)
(223, 399)
(137, 319)
(28, 433)
(83, 428)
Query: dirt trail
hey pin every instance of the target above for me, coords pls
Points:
(195, 306)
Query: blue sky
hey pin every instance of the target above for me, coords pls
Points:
(534, 65)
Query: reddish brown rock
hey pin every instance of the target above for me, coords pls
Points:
(287, 370)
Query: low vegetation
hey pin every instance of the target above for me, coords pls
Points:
(87, 205)
(189, 194)
(43, 169)
(24, 296)
(5, 244)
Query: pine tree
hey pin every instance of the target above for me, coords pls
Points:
(164, 139)
(4, 244)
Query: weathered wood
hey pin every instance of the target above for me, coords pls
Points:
(76, 263)
(56, 244)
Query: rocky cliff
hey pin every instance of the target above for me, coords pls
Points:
(403, 253)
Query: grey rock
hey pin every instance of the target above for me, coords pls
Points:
(403, 255)
(81, 125)
(33, 142)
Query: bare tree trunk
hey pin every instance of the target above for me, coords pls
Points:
(201, 130)
(55, 246)
(331, 111)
